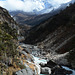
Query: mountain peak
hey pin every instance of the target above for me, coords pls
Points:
(39, 6)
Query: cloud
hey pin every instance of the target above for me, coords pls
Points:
(26, 5)
(57, 3)
(30, 5)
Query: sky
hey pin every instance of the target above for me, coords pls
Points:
(31, 5)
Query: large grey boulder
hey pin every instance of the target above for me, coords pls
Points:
(19, 73)
(26, 71)
(29, 71)
(46, 70)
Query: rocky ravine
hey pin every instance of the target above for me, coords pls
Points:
(31, 62)
(55, 43)
(40, 64)
(23, 61)
(56, 37)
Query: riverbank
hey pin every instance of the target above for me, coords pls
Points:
(43, 63)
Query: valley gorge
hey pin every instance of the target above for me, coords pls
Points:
(47, 48)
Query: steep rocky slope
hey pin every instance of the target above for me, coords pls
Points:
(8, 40)
(64, 20)
(57, 34)
(15, 58)
(8, 32)
(12, 59)
(27, 20)
(30, 19)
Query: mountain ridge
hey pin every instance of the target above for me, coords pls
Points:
(55, 20)
(56, 36)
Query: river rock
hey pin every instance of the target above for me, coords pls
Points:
(26, 71)
(50, 64)
(46, 70)
(42, 64)
(19, 73)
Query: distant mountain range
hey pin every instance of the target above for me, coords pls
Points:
(27, 20)
(60, 27)
(33, 19)
(48, 6)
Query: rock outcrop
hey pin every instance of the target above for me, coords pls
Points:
(46, 70)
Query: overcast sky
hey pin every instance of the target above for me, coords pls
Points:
(30, 5)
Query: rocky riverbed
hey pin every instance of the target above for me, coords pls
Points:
(43, 63)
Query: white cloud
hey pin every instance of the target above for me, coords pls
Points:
(30, 5)
(56, 3)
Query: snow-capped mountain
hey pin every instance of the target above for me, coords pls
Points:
(36, 6)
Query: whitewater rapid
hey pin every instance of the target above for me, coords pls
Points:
(43, 61)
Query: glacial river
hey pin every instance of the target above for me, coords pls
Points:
(38, 60)
(73, 71)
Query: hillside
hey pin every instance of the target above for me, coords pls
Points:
(56, 35)
(63, 19)
(31, 19)
(15, 58)
(27, 20)
(8, 32)
(54, 39)
(8, 39)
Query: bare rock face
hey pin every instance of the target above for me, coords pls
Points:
(5, 17)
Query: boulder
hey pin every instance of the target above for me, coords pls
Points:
(42, 64)
(29, 71)
(45, 70)
(19, 73)
(50, 64)
(26, 71)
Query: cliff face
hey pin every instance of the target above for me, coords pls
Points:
(8, 32)
(5, 17)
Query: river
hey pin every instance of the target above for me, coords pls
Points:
(73, 71)
(38, 60)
